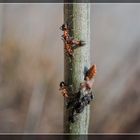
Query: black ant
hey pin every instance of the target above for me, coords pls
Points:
(78, 104)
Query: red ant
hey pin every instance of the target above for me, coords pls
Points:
(63, 89)
(70, 42)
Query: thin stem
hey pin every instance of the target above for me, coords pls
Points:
(78, 16)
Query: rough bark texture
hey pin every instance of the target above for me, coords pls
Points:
(78, 16)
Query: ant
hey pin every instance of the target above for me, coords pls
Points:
(67, 39)
(70, 42)
(63, 89)
(78, 104)
(65, 29)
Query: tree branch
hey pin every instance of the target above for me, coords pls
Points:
(78, 17)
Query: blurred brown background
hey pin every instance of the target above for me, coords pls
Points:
(31, 67)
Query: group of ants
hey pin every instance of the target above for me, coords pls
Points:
(77, 101)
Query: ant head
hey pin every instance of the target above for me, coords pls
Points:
(62, 84)
(64, 27)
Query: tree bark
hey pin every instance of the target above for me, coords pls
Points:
(78, 16)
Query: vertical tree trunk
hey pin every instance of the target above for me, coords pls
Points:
(78, 16)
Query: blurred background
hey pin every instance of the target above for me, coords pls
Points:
(31, 67)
